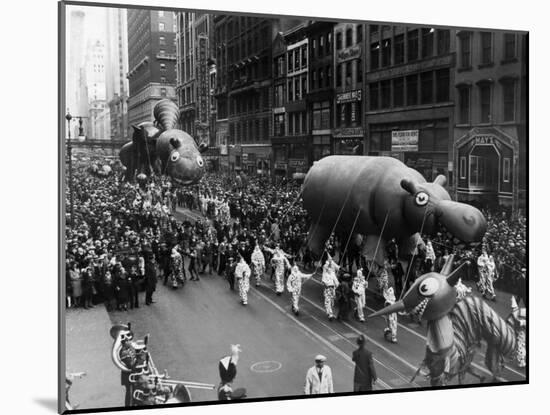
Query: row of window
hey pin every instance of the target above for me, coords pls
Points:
(433, 135)
(485, 91)
(425, 88)
(297, 124)
(321, 45)
(482, 174)
(249, 131)
(421, 43)
(321, 78)
(344, 73)
(345, 40)
(296, 59)
(297, 87)
(162, 27)
(486, 48)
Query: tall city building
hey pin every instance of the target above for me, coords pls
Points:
(320, 99)
(244, 73)
(76, 49)
(152, 61)
(117, 87)
(291, 132)
(490, 133)
(98, 111)
(195, 65)
(409, 114)
(348, 133)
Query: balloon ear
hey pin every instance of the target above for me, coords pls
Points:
(409, 186)
(136, 129)
(175, 142)
(440, 180)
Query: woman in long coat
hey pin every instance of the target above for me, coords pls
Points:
(76, 284)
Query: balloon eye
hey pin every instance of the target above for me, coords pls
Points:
(428, 287)
(200, 161)
(421, 198)
(174, 156)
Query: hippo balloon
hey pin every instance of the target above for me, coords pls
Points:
(161, 148)
(381, 198)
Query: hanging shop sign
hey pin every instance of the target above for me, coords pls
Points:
(349, 53)
(349, 96)
(279, 165)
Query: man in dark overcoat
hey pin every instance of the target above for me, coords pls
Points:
(365, 373)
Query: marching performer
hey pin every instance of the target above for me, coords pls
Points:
(258, 264)
(390, 332)
(330, 281)
(486, 266)
(280, 263)
(518, 319)
(358, 287)
(462, 290)
(227, 367)
(178, 273)
(242, 273)
(294, 286)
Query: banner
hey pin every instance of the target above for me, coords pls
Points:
(406, 140)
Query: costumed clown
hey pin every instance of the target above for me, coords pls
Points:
(358, 287)
(486, 265)
(258, 264)
(330, 282)
(390, 331)
(242, 273)
(178, 273)
(280, 263)
(294, 286)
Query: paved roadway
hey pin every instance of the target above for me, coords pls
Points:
(192, 327)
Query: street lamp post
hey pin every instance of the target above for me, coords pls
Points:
(69, 117)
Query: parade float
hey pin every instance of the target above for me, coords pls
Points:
(458, 327)
(380, 198)
(159, 148)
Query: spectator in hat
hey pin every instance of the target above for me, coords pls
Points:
(319, 378)
(230, 272)
(364, 376)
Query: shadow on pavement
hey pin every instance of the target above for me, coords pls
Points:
(48, 403)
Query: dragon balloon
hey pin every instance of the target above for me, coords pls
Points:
(161, 148)
(456, 327)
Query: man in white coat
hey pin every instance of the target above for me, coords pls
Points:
(319, 378)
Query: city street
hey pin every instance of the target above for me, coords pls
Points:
(192, 327)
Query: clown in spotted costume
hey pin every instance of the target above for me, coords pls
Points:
(358, 287)
(280, 263)
(294, 286)
(390, 332)
(330, 282)
(258, 264)
(242, 273)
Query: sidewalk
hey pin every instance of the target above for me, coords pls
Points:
(89, 350)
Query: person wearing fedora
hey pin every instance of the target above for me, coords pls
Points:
(319, 378)
(364, 376)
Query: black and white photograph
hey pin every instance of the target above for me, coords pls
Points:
(260, 206)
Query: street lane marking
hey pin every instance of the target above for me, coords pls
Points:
(477, 366)
(315, 335)
(268, 366)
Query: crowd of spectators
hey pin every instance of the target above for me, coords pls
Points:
(120, 228)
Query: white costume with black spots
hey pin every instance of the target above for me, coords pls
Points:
(330, 281)
(258, 264)
(294, 285)
(358, 287)
(242, 273)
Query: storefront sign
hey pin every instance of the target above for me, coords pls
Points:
(294, 163)
(349, 53)
(350, 96)
(348, 132)
(406, 140)
(203, 81)
(280, 165)
(484, 140)
(279, 110)
(223, 149)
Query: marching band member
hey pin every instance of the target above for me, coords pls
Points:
(294, 286)
(330, 281)
(358, 287)
(390, 332)
(227, 367)
(242, 273)
(258, 263)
